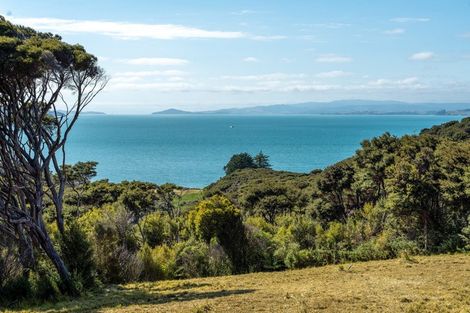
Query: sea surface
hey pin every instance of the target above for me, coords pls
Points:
(191, 150)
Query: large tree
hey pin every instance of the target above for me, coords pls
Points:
(44, 85)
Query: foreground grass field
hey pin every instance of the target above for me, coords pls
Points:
(423, 284)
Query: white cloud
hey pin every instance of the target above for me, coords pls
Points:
(133, 31)
(124, 30)
(332, 58)
(264, 77)
(154, 61)
(466, 35)
(250, 59)
(395, 31)
(268, 38)
(422, 56)
(151, 73)
(405, 83)
(410, 19)
(333, 74)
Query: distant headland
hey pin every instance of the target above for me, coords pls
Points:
(343, 107)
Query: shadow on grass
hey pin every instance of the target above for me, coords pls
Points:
(122, 297)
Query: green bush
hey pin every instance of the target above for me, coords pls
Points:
(15, 290)
(218, 218)
(191, 259)
(45, 285)
(155, 228)
(77, 254)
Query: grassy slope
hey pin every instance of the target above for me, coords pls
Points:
(426, 284)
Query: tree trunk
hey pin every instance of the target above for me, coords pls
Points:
(44, 240)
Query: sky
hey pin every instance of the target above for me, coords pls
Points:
(204, 55)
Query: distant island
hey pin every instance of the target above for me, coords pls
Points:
(93, 113)
(173, 111)
(358, 107)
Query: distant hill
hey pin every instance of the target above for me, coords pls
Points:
(172, 111)
(345, 107)
(93, 113)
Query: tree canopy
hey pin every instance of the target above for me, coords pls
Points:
(44, 85)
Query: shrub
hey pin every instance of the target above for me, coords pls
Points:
(77, 254)
(44, 285)
(155, 228)
(191, 259)
(115, 245)
(157, 263)
(15, 289)
(218, 218)
(260, 249)
(465, 236)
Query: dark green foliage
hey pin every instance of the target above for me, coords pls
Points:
(261, 160)
(138, 197)
(77, 254)
(270, 201)
(217, 218)
(244, 160)
(15, 289)
(454, 130)
(239, 162)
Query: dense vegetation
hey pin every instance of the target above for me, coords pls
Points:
(395, 196)
(62, 232)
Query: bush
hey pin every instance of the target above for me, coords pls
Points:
(45, 285)
(260, 249)
(116, 246)
(155, 228)
(77, 254)
(191, 259)
(465, 236)
(15, 289)
(157, 263)
(218, 218)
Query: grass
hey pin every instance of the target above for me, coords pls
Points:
(425, 284)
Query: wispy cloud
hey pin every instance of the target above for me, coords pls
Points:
(264, 77)
(333, 74)
(332, 58)
(151, 73)
(395, 31)
(134, 31)
(250, 59)
(243, 12)
(124, 30)
(154, 61)
(267, 38)
(465, 35)
(410, 19)
(422, 56)
(405, 83)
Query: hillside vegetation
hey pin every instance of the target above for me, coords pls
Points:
(395, 196)
(423, 284)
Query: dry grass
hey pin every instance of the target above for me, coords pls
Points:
(425, 284)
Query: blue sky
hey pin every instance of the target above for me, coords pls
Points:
(200, 55)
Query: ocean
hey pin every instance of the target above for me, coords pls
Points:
(191, 150)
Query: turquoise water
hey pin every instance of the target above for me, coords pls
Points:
(191, 150)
